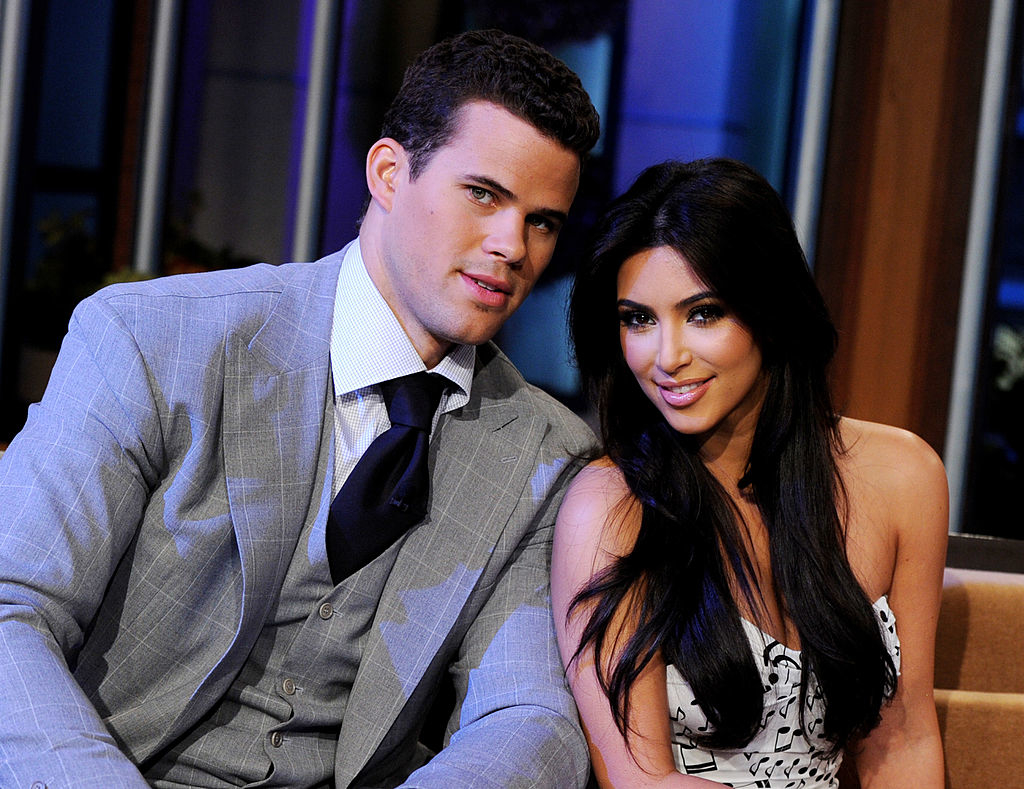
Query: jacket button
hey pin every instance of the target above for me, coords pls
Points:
(288, 686)
(326, 611)
(276, 738)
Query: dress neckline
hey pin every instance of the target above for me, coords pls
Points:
(881, 604)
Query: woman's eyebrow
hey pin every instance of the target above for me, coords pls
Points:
(704, 294)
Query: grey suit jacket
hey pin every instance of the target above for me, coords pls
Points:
(177, 440)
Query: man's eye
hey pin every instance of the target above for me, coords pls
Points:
(481, 195)
(542, 223)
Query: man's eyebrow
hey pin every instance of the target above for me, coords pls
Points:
(549, 213)
(493, 185)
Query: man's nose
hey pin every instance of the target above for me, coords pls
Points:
(506, 237)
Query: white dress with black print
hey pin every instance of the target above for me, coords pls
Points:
(782, 755)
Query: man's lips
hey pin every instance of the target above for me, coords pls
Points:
(490, 283)
(491, 291)
(683, 394)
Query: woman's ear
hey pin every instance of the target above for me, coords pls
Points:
(384, 163)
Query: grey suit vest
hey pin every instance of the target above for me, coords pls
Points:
(278, 724)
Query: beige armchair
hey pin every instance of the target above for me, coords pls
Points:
(979, 680)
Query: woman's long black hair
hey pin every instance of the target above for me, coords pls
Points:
(733, 229)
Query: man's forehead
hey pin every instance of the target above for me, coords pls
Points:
(497, 150)
(498, 123)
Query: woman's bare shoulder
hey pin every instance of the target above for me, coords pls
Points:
(891, 460)
(898, 502)
(599, 508)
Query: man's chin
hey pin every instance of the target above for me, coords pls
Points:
(475, 335)
(475, 339)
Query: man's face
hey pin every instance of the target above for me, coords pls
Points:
(461, 246)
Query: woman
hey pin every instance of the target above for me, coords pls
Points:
(746, 585)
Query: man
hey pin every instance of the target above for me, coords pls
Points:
(168, 609)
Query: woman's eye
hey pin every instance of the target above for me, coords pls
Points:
(632, 319)
(706, 313)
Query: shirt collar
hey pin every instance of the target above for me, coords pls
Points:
(368, 344)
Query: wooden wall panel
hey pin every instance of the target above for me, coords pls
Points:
(894, 203)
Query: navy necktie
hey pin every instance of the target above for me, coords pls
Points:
(386, 493)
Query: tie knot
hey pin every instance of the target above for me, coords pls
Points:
(412, 399)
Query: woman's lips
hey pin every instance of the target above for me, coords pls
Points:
(684, 394)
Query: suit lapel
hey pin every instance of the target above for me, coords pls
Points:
(482, 458)
(275, 385)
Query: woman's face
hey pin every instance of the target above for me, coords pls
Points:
(692, 358)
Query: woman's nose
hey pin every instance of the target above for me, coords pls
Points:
(673, 352)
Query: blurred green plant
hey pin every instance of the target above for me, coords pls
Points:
(69, 269)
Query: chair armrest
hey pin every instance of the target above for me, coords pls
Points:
(982, 737)
(980, 635)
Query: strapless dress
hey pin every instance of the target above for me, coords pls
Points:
(783, 754)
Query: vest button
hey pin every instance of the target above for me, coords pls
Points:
(276, 738)
(326, 611)
(288, 686)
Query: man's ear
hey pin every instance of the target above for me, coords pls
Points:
(385, 162)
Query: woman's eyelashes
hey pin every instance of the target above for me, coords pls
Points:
(706, 313)
(632, 318)
(703, 314)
